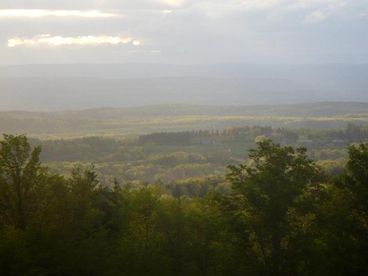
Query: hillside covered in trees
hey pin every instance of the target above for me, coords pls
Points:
(191, 157)
(281, 215)
(184, 138)
(180, 117)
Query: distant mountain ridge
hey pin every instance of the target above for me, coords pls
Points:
(141, 70)
(317, 109)
(180, 117)
(83, 86)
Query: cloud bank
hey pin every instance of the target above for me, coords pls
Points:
(57, 41)
(186, 31)
(38, 13)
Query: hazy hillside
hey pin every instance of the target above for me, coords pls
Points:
(62, 87)
(148, 119)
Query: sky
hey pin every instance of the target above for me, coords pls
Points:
(183, 31)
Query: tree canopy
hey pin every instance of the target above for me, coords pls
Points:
(281, 216)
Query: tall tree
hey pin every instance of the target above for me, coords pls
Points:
(20, 176)
(349, 238)
(270, 203)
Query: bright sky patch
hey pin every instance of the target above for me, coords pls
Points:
(38, 13)
(57, 41)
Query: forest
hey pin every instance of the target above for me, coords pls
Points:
(187, 158)
(184, 138)
(277, 211)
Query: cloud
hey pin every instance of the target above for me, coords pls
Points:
(38, 13)
(222, 9)
(268, 8)
(185, 31)
(315, 17)
(57, 41)
(136, 42)
(174, 3)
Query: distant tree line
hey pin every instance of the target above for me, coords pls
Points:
(193, 137)
(352, 133)
(97, 148)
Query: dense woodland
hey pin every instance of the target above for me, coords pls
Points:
(186, 159)
(280, 213)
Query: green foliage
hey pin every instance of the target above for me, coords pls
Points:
(205, 154)
(348, 212)
(276, 214)
(272, 200)
(20, 180)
